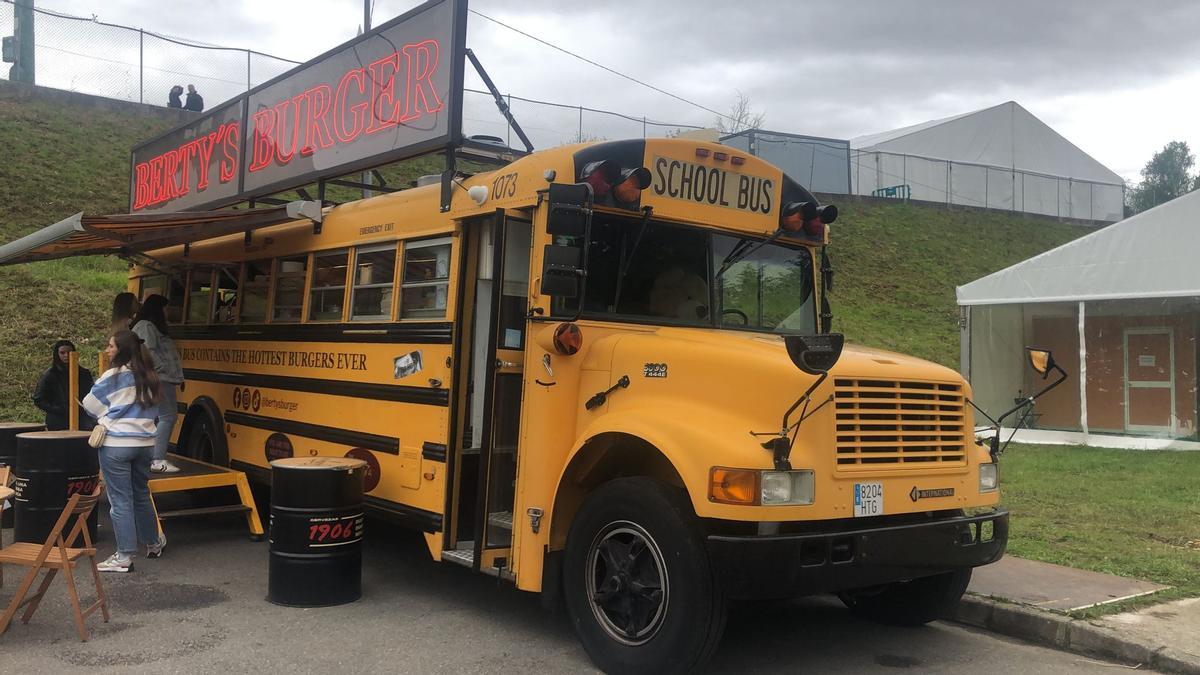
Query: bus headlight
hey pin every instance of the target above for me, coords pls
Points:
(787, 487)
(989, 477)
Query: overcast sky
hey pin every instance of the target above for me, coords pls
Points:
(1119, 79)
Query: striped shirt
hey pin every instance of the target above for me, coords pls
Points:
(113, 402)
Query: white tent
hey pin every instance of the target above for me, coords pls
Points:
(1120, 308)
(1000, 157)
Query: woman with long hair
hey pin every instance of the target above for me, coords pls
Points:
(124, 401)
(151, 327)
(124, 309)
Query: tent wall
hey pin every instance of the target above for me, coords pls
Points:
(819, 164)
(971, 184)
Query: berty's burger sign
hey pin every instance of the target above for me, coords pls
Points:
(387, 95)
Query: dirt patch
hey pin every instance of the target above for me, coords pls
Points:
(161, 597)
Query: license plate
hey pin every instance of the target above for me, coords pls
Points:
(868, 499)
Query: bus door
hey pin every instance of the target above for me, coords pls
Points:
(484, 521)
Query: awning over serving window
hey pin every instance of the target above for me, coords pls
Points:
(138, 232)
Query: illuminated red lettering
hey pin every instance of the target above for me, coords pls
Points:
(285, 140)
(141, 190)
(156, 181)
(341, 107)
(316, 127)
(229, 164)
(423, 60)
(264, 146)
(385, 110)
(204, 150)
(170, 166)
(184, 159)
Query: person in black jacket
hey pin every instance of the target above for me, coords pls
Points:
(194, 102)
(52, 393)
(173, 97)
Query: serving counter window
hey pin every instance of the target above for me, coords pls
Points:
(328, 294)
(289, 288)
(256, 288)
(426, 281)
(374, 279)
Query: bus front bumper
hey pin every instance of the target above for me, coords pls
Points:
(792, 565)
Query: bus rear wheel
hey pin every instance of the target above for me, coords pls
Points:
(910, 603)
(637, 580)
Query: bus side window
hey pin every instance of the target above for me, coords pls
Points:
(328, 293)
(255, 288)
(374, 276)
(175, 299)
(426, 280)
(289, 288)
(226, 295)
(152, 285)
(200, 286)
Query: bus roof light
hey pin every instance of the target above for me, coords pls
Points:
(796, 214)
(600, 175)
(720, 156)
(737, 161)
(702, 153)
(631, 184)
(827, 213)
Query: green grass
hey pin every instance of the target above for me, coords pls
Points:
(896, 267)
(1130, 513)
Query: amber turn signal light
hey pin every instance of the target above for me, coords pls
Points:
(567, 339)
(733, 486)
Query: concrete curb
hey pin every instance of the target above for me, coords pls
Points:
(1063, 632)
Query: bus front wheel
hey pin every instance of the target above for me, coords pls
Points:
(910, 603)
(638, 584)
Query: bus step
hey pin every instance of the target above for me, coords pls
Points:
(183, 513)
(501, 519)
(464, 557)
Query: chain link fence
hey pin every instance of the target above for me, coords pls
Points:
(130, 64)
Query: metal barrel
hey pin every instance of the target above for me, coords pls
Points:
(51, 466)
(8, 454)
(316, 531)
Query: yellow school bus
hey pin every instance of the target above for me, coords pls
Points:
(607, 374)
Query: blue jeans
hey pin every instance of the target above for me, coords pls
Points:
(127, 481)
(167, 414)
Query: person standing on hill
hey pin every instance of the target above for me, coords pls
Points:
(124, 309)
(151, 327)
(194, 102)
(124, 402)
(53, 395)
(173, 100)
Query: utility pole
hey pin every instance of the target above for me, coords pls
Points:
(23, 70)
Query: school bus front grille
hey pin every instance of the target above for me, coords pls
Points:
(890, 424)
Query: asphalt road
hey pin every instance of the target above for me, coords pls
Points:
(201, 609)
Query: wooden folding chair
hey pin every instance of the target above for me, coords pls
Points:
(5, 476)
(54, 555)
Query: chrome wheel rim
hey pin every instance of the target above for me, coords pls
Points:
(627, 583)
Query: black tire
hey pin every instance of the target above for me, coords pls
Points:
(637, 543)
(910, 603)
(205, 441)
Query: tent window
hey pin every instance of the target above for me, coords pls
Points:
(426, 279)
(175, 298)
(289, 288)
(255, 288)
(225, 304)
(374, 279)
(200, 286)
(328, 293)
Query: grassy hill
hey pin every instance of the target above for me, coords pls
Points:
(896, 264)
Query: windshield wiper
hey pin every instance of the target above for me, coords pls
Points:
(743, 250)
(647, 211)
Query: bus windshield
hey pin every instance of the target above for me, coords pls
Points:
(655, 272)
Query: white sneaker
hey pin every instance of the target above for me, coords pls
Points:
(156, 550)
(163, 466)
(115, 563)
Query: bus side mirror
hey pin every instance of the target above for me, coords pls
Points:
(1041, 360)
(815, 354)
(561, 271)
(570, 209)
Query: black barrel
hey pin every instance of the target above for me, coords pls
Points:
(51, 466)
(8, 454)
(316, 531)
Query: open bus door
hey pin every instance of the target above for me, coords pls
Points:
(485, 482)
